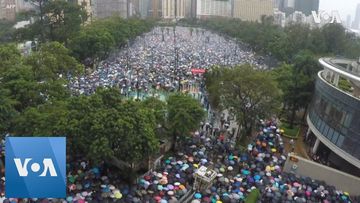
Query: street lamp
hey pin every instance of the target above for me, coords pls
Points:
(137, 85)
(162, 32)
(177, 64)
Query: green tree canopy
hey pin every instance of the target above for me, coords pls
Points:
(92, 43)
(53, 61)
(58, 20)
(184, 115)
(250, 93)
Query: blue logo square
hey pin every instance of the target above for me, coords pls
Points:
(35, 167)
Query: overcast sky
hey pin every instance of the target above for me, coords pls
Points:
(344, 7)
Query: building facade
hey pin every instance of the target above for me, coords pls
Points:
(208, 8)
(307, 6)
(8, 10)
(107, 8)
(22, 5)
(86, 4)
(155, 8)
(279, 18)
(356, 22)
(173, 9)
(253, 10)
(334, 114)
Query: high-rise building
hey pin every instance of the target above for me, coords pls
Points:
(190, 8)
(144, 7)
(348, 21)
(356, 22)
(155, 8)
(253, 10)
(107, 8)
(297, 17)
(207, 8)
(279, 5)
(307, 6)
(279, 18)
(8, 10)
(174, 9)
(22, 5)
(86, 4)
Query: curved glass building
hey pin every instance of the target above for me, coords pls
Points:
(334, 114)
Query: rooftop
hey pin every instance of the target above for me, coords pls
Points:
(344, 74)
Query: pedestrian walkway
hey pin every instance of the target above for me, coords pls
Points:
(300, 147)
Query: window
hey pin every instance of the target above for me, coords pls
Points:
(334, 138)
(330, 133)
(340, 140)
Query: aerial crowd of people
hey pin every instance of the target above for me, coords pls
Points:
(149, 65)
(162, 60)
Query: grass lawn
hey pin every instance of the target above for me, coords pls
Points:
(290, 132)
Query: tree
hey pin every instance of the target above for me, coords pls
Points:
(297, 82)
(120, 132)
(335, 38)
(10, 57)
(49, 119)
(63, 19)
(58, 21)
(93, 44)
(7, 112)
(6, 31)
(52, 62)
(22, 87)
(214, 84)
(158, 109)
(184, 116)
(252, 94)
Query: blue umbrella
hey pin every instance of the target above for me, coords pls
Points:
(213, 189)
(197, 195)
(257, 177)
(245, 172)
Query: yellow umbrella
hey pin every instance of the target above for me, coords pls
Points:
(117, 195)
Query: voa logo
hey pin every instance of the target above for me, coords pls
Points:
(35, 167)
(22, 169)
(324, 17)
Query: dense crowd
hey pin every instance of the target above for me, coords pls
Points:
(160, 60)
(238, 173)
(149, 64)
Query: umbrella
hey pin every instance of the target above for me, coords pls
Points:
(197, 195)
(69, 199)
(170, 187)
(117, 194)
(245, 172)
